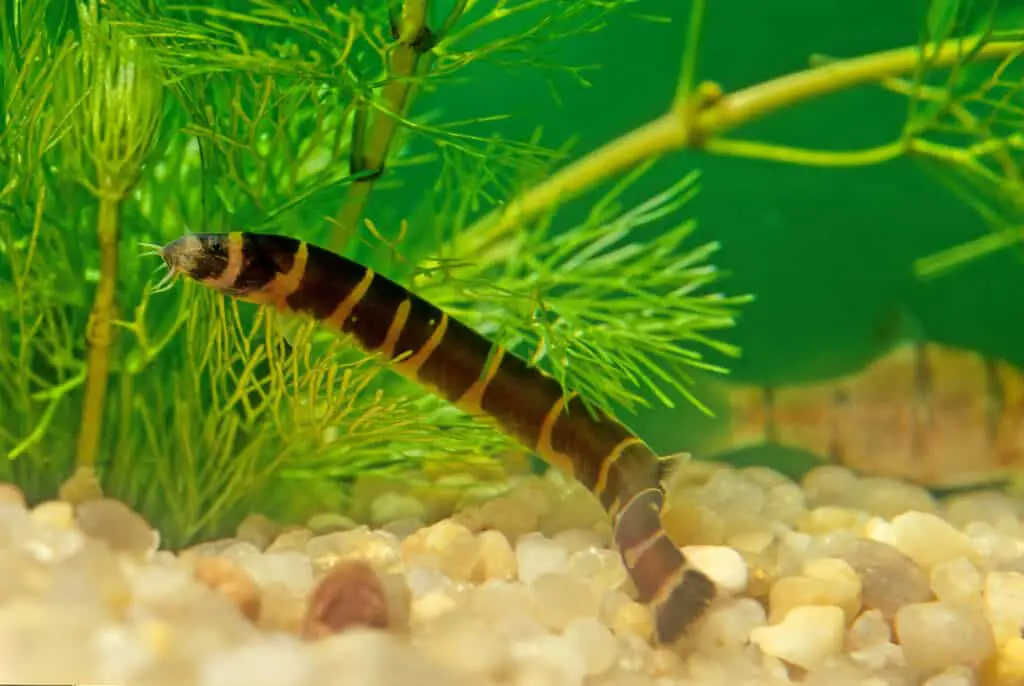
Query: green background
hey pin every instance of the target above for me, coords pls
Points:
(828, 253)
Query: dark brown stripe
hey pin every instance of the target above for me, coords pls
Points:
(519, 397)
(582, 436)
(325, 283)
(458, 361)
(265, 257)
(658, 562)
(372, 315)
(684, 604)
(639, 518)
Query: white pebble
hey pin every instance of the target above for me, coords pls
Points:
(728, 625)
(952, 676)
(937, 635)
(928, 540)
(547, 660)
(806, 637)
(537, 555)
(272, 662)
(290, 569)
(594, 641)
(957, 581)
(723, 565)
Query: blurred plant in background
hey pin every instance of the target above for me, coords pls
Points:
(135, 121)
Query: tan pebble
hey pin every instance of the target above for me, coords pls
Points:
(753, 542)
(688, 523)
(928, 539)
(957, 581)
(1007, 669)
(451, 544)
(869, 630)
(403, 528)
(496, 559)
(958, 675)
(560, 598)
(825, 520)
(844, 582)
(727, 625)
(282, 609)
(329, 522)
(889, 579)
(828, 485)
(258, 530)
(594, 641)
(576, 509)
(471, 517)
(114, 523)
(823, 582)
(535, 494)
(603, 568)
(1004, 604)
(350, 595)
(632, 618)
(389, 507)
(665, 662)
(508, 516)
(635, 653)
(575, 540)
(431, 605)
(470, 645)
(294, 540)
(891, 498)
(937, 635)
(54, 514)
(227, 578)
(11, 495)
(807, 636)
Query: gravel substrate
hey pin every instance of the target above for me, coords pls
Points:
(838, 580)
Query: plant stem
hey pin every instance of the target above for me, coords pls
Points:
(687, 127)
(805, 156)
(395, 100)
(99, 334)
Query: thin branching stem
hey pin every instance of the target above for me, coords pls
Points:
(676, 131)
(372, 144)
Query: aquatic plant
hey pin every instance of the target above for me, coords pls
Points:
(131, 122)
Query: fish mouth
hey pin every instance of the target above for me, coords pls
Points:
(155, 250)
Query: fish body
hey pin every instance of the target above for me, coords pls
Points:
(932, 414)
(424, 344)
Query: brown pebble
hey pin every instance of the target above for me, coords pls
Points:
(114, 523)
(889, 579)
(225, 577)
(349, 595)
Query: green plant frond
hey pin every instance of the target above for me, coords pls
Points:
(522, 33)
(967, 123)
(113, 91)
(260, 37)
(603, 306)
